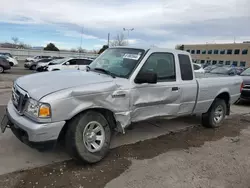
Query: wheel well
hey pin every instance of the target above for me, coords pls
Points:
(109, 115)
(225, 96)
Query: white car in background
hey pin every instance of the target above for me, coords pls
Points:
(12, 61)
(69, 63)
(36, 58)
(198, 68)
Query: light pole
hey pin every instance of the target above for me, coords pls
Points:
(132, 29)
(81, 42)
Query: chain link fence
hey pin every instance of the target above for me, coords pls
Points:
(22, 54)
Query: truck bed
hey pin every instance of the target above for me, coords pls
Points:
(211, 85)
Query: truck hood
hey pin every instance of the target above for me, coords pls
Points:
(40, 84)
(246, 79)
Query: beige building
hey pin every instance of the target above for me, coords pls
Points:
(237, 54)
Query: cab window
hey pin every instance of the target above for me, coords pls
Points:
(163, 65)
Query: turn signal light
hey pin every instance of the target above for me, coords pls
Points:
(44, 111)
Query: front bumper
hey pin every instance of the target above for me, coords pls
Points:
(7, 67)
(32, 132)
(41, 68)
(245, 94)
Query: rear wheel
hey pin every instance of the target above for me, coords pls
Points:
(88, 137)
(215, 115)
(1, 69)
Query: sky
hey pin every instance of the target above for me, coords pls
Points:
(162, 23)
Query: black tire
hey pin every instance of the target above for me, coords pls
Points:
(11, 64)
(1, 69)
(33, 67)
(208, 119)
(74, 143)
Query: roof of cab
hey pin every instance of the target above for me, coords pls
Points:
(154, 49)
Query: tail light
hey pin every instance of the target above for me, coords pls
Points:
(241, 86)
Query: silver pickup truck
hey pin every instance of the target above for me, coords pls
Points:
(122, 86)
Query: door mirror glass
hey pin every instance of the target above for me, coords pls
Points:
(67, 63)
(146, 77)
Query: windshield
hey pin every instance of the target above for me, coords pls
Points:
(246, 72)
(59, 61)
(118, 61)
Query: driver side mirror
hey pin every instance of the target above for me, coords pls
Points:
(67, 63)
(146, 77)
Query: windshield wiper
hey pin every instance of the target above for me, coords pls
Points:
(105, 72)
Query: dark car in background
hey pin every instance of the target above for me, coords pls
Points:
(32, 65)
(245, 93)
(4, 64)
(225, 70)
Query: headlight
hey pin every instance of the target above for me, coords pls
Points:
(37, 109)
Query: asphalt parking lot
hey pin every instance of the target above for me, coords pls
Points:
(155, 153)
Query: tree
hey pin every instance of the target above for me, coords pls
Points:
(15, 40)
(81, 50)
(51, 47)
(104, 47)
(73, 50)
(24, 46)
(119, 40)
(179, 47)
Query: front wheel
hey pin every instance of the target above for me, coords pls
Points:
(1, 69)
(33, 67)
(215, 115)
(88, 137)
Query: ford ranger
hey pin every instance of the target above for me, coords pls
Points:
(122, 86)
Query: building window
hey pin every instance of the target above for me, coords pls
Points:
(216, 51)
(188, 50)
(229, 52)
(221, 62)
(204, 51)
(228, 63)
(214, 62)
(242, 63)
(192, 51)
(235, 63)
(198, 51)
(237, 51)
(244, 52)
(209, 51)
(222, 52)
(208, 62)
(197, 61)
(202, 61)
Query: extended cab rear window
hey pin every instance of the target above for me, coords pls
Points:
(186, 67)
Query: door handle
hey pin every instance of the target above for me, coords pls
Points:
(175, 88)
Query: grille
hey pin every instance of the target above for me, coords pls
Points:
(246, 87)
(19, 98)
